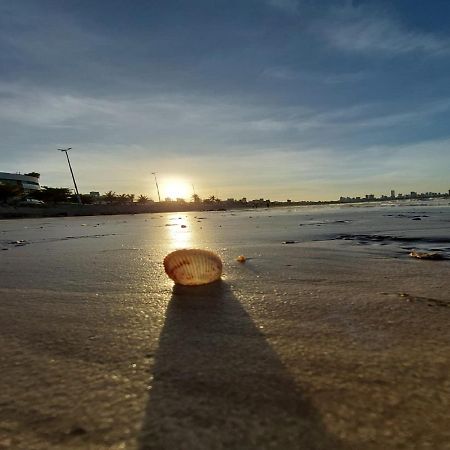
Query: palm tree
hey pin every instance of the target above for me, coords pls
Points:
(110, 197)
(142, 199)
(122, 198)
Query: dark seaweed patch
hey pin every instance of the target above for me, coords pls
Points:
(418, 299)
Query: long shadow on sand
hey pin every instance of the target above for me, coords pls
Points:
(217, 384)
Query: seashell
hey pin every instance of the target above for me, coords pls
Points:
(193, 267)
(241, 259)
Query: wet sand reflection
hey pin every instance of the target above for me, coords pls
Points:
(218, 384)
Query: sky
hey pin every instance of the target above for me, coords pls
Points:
(279, 99)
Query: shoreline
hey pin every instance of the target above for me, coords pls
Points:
(74, 210)
(30, 212)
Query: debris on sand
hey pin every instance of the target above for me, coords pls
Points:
(241, 259)
(426, 255)
(19, 243)
(427, 300)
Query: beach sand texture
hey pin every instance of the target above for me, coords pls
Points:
(335, 340)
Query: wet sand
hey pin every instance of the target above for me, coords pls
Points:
(326, 343)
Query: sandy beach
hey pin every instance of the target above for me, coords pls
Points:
(329, 336)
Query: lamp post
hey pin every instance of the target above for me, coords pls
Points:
(157, 188)
(65, 150)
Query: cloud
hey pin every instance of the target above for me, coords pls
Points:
(289, 6)
(288, 74)
(351, 120)
(359, 30)
(29, 106)
(199, 124)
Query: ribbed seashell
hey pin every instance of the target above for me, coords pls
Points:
(193, 267)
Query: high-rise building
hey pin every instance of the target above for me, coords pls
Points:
(392, 193)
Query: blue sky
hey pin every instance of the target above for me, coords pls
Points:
(297, 99)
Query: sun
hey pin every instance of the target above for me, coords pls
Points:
(175, 188)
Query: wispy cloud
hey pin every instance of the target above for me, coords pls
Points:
(183, 122)
(356, 29)
(289, 6)
(283, 73)
(28, 106)
(352, 119)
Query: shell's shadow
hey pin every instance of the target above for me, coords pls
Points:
(218, 384)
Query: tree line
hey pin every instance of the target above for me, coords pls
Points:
(14, 193)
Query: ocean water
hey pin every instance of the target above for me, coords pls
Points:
(113, 252)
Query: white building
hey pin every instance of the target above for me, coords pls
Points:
(26, 182)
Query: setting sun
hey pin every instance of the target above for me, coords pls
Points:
(176, 188)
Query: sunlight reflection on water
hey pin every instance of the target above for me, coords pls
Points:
(180, 233)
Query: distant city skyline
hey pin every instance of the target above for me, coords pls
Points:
(273, 98)
(394, 196)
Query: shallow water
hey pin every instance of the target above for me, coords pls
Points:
(102, 252)
(422, 225)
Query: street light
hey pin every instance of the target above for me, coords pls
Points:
(157, 188)
(65, 150)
